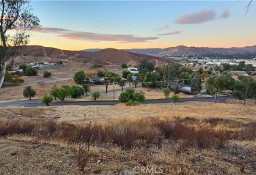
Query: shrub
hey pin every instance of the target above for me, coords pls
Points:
(13, 79)
(96, 65)
(86, 88)
(175, 98)
(131, 97)
(30, 71)
(82, 157)
(95, 95)
(61, 92)
(23, 67)
(79, 77)
(29, 92)
(166, 92)
(54, 92)
(47, 100)
(76, 91)
(47, 74)
(124, 66)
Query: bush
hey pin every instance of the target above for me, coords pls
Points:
(30, 71)
(47, 100)
(95, 95)
(166, 92)
(175, 98)
(61, 92)
(76, 91)
(29, 92)
(124, 66)
(13, 79)
(131, 97)
(79, 77)
(47, 74)
(23, 67)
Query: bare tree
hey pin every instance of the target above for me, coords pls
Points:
(16, 19)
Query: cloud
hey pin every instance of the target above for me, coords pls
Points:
(225, 14)
(96, 37)
(171, 33)
(163, 27)
(196, 18)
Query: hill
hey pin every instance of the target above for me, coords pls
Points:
(193, 51)
(104, 56)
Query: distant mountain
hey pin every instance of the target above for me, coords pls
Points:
(104, 56)
(195, 51)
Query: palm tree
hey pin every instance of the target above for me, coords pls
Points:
(29, 92)
(86, 88)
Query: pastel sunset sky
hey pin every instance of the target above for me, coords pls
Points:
(77, 25)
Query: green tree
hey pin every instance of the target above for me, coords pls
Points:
(47, 100)
(185, 76)
(47, 74)
(86, 88)
(144, 64)
(30, 71)
(196, 83)
(79, 77)
(95, 95)
(131, 96)
(62, 92)
(244, 88)
(215, 85)
(29, 92)
(166, 92)
(124, 65)
(122, 84)
(76, 91)
(54, 92)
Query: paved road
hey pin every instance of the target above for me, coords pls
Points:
(33, 103)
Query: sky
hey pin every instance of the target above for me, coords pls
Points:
(78, 25)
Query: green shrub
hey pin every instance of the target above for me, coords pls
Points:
(175, 98)
(124, 66)
(76, 91)
(95, 95)
(23, 67)
(130, 96)
(166, 92)
(30, 71)
(132, 103)
(47, 100)
(47, 74)
(79, 77)
(13, 79)
(29, 92)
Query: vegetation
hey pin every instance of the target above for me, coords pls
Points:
(166, 92)
(54, 92)
(124, 66)
(95, 95)
(23, 67)
(96, 65)
(175, 98)
(29, 92)
(60, 92)
(86, 88)
(13, 79)
(79, 77)
(76, 91)
(196, 83)
(47, 100)
(30, 71)
(47, 74)
(130, 96)
(122, 84)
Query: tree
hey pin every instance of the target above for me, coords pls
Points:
(122, 84)
(185, 76)
(86, 88)
(106, 82)
(29, 92)
(215, 85)
(30, 71)
(244, 88)
(95, 95)
(175, 98)
(76, 91)
(79, 77)
(131, 96)
(166, 92)
(196, 83)
(15, 16)
(47, 74)
(54, 92)
(145, 65)
(63, 92)
(124, 65)
(47, 100)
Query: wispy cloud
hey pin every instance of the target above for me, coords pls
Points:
(164, 27)
(171, 33)
(196, 18)
(225, 14)
(96, 37)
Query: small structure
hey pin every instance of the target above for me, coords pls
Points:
(133, 70)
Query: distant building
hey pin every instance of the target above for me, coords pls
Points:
(133, 70)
